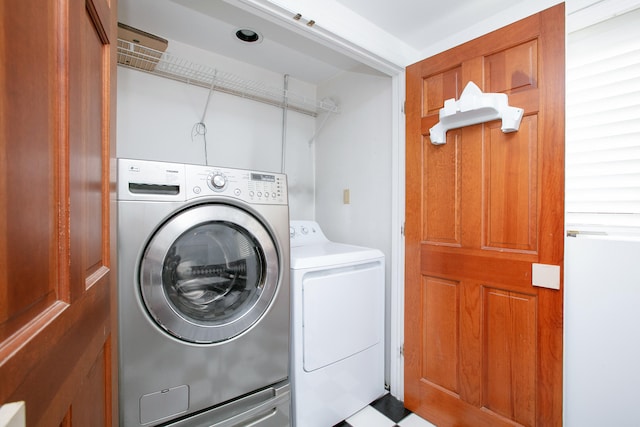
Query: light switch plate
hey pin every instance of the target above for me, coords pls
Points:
(545, 276)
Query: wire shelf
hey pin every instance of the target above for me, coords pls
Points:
(162, 64)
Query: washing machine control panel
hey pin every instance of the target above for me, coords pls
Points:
(249, 186)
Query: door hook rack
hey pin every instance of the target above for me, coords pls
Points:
(472, 108)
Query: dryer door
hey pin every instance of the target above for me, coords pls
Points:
(209, 273)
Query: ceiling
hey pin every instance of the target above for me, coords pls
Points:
(417, 21)
(405, 26)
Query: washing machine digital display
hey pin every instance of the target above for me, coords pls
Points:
(263, 177)
(206, 281)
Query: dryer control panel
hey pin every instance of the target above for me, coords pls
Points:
(302, 233)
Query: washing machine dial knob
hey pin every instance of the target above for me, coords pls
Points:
(218, 181)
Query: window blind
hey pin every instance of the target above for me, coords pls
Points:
(603, 127)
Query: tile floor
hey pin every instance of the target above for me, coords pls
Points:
(385, 412)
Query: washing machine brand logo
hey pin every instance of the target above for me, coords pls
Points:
(172, 171)
(134, 169)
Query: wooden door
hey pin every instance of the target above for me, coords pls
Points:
(483, 345)
(57, 284)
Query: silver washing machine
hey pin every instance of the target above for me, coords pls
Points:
(203, 291)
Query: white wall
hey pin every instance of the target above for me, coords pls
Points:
(602, 345)
(354, 152)
(156, 117)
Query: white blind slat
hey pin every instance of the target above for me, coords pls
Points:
(603, 144)
(605, 181)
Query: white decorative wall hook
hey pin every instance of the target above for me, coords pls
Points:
(472, 108)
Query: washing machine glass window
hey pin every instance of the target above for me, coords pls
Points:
(213, 281)
(212, 271)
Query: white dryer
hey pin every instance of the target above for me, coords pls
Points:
(337, 351)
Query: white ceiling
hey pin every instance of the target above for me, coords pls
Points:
(418, 22)
(406, 28)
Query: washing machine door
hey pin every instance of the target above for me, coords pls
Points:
(209, 273)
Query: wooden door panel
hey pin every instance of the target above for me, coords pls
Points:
(53, 361)
(440, 348)
(88, 55)
(27, 253)
(442, 195)
(512, 70)
(471, 333)
(483, 346)
(510, 358)
(511, 187)
(440, 87)
(93, 390)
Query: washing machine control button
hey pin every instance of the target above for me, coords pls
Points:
(217, 181)
(304, 230)
(292, 232)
